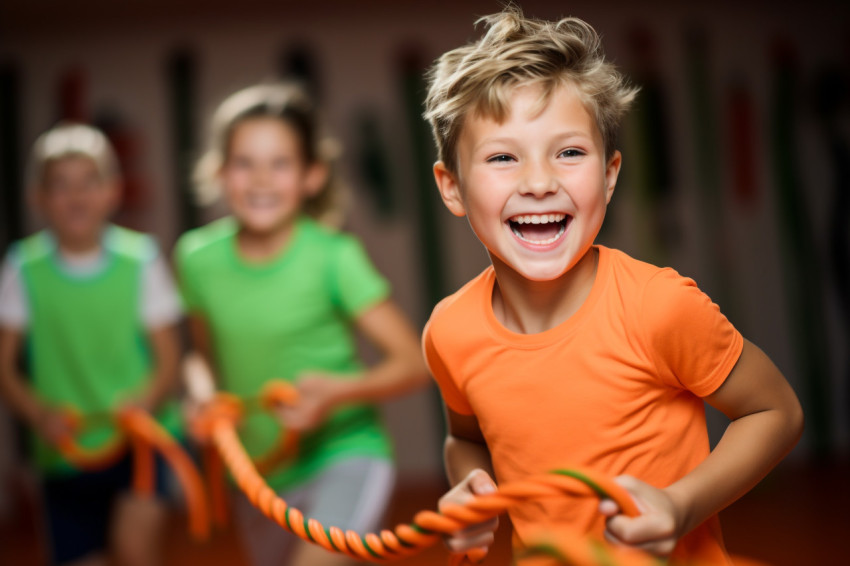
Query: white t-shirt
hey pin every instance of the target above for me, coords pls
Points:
(159, 305)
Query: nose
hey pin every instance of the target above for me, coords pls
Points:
(539, 179)
(260, 176)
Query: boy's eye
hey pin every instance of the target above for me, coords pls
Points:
(501, 158)
(571, 152)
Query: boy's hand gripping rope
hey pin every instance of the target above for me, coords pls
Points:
(216, 423)
(145, 435)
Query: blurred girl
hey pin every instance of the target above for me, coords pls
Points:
(96, 307)
(274, 292)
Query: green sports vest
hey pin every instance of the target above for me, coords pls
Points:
(86, 345)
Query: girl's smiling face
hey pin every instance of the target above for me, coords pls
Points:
(265, 175)
(534, 187)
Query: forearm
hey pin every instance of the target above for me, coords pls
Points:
(462, 456)
(199, 377)
(198, 369)
(470, 473)
(20, 398)
(163, 379)
(161, 385)
(766, 423)
(751, 446)
(393, 377)
(402, 367)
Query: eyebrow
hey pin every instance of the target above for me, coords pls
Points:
(507, 139)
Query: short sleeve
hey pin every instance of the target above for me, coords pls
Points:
(357, 284)
(160, 301)
(453, 397)
(188, 290)
(693, 345)
(13, 304)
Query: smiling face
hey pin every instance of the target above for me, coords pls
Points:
(534, 187)
(76, 200)
(266, 177)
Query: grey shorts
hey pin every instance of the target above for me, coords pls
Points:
(349, 494)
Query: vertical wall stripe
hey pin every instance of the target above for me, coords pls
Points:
(801, 267)
(11, 174)
(181, 77)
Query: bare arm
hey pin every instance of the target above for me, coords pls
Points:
(767, 422)
(46, 420)
(163, 378)
(401, 370)
(470, 471)
(198, 367)
(13, 386)
(465, 449)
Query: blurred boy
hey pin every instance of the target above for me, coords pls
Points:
(96, 307)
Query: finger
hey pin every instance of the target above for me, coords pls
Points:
(661, 548)
(608, 507)
(480, 482)
(471, 531)
(462, 544)
(641, 531)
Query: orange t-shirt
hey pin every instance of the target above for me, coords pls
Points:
(616, 388)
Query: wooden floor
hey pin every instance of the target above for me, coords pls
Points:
(799, 516)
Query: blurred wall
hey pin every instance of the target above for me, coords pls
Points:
(734, 171)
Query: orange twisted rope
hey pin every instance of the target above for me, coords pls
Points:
(231, 408)
(146, 435)
(218, 424)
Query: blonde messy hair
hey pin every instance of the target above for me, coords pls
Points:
(479, 78)
(290, 103)
(71, 139)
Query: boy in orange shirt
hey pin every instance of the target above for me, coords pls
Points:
(565, 353)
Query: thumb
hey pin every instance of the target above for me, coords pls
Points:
(480, 482)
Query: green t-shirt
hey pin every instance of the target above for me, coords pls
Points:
(87, 347)
(281, 318)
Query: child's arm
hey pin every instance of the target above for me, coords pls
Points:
(166, 355)
(198, 368)
(401, 370)
(470, 471)
(766, 423)
(20, 397)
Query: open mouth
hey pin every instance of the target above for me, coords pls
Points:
(539, 229)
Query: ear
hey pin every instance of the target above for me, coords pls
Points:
(449, 188)
(316, 177)
(612, 171)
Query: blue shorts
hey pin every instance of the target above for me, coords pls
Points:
(79, 507)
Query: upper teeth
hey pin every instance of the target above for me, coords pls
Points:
(537, 218)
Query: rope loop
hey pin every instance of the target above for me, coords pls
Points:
(136, 428)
